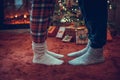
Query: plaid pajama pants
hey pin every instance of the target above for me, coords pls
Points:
(40, 16)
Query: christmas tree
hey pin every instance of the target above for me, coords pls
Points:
(67, 12)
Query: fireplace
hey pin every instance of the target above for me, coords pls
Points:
(15, 14)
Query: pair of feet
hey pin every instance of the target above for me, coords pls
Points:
(85, 56)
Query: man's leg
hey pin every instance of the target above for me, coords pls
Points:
(95, 15)
(40, 20)
(84, 50)
(81, 52)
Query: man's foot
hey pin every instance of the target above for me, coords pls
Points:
(81, 52)
(78, 53)
(92, 56)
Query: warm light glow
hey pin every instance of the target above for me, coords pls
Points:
(110, 7)
(11, 16)
(108, 1)
(16, 16)
(25, 16)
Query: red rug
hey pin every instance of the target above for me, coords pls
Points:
(16, 61)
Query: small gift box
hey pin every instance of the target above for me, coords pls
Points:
(52, 31)
(81, 35)
(71, 32)
(60, 32)
(67, 38)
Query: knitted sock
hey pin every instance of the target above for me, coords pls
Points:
(92, 56)
(41, 56)
(81, 52)
(55, 55)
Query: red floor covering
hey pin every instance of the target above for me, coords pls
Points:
(16, 61)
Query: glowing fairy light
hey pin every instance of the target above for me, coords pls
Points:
(110, 7)
(16, 16)
(25, 16)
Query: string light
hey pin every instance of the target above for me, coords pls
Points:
(16, 16)
(108, 1)
(25, 16)
(110, 6)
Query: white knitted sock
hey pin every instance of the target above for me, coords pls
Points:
(92, 56)
(41, 56)
(55, 55)
(81, 52)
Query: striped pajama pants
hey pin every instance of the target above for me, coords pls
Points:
(40, 16)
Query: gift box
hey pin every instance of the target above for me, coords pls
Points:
(81, 35)
(67, 38)
(70, 31)
(52, 31)
(60, 32)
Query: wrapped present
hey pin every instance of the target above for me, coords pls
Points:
(70, 31)
(60, 32)
(81, 35)
(52, 31)
(67, 38)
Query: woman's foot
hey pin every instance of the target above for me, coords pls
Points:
(41, 55)
(55, 54)
(46, 59)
